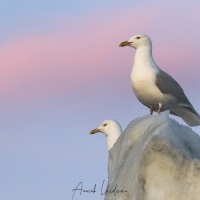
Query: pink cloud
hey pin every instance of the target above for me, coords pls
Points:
(41, 66)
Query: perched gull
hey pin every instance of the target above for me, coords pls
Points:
(155, 88)
(111, 129)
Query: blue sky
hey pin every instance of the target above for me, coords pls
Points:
(62, 74)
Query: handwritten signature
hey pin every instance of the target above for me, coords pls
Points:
(79, 189)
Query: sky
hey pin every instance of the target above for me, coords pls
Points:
(62, 73)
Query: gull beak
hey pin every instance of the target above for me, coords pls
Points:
(125, 43)
(95, 131)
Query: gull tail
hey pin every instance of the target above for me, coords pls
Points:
(188, 114)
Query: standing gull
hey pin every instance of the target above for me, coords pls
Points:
(155, 88)
(111, 129)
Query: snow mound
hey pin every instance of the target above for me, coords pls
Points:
(155, 158)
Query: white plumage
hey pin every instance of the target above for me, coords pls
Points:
(112, 130)
(153, 87)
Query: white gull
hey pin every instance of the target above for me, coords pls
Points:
(155, 88)
(112, 130)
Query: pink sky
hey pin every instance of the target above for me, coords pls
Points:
(60, 62)
(62, 72)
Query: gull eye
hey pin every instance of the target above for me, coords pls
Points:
(104, 124)
(137, 38)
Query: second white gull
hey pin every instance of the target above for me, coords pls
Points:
(112, 130)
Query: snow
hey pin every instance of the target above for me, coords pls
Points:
(155, 158)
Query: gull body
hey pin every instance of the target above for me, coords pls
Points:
(155, 88)
(112, 130)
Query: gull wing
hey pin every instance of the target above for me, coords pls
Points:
(167, 85)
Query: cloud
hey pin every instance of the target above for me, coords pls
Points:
(36, 67)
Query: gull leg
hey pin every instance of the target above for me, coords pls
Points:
(159, 110)
(151, 110)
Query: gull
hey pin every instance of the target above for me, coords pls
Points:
(155, 88)
(112, 130)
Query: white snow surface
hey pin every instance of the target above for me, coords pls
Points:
(155, 158)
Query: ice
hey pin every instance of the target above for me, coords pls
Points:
(155, 158)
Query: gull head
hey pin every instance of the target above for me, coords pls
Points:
(107, 127)
(111, 129)
(137, 41)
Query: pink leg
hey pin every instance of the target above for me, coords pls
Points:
(159, 110)
(151, 110)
